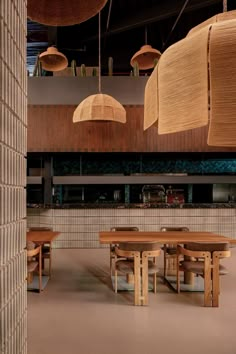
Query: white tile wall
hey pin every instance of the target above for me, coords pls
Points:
(13, 126)
(79, 228)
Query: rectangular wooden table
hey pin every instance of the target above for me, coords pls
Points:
(168, 237)
(42, 236)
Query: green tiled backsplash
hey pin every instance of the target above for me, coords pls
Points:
(121, 164)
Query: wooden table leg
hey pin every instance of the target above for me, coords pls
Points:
(137, 289)
(207, 282)
(50, 259)
(145, 280)
(215, 281)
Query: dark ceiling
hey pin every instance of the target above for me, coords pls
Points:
(125, 24)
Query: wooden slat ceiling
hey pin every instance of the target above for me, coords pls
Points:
(123, 31)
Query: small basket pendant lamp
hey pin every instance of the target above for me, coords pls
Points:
(63, 13)
(146, 56)
(99, 107)
(52, 60)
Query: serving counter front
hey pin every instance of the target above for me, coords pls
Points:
(79, 226)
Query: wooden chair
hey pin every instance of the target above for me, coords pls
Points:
(170, 251)
(34, 263)
(206, 263)
(46, 249)
(132, 256)
(113, 255)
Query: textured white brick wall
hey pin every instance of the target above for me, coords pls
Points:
(79, 228)
(13, 127)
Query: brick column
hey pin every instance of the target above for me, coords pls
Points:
(13, 128)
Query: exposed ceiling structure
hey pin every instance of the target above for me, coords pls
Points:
(125, 26)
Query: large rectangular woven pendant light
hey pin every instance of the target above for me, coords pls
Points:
(183, 84)
(222, 68)
(197, 82)
(151, 100)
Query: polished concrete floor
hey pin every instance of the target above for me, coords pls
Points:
(78, 313)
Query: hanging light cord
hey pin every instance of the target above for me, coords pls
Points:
(109, 16)
(224, 5)
(174, 25)
(99, 52)
(145, 34)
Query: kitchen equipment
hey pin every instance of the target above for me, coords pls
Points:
(117, 195)
(153, 193)
(174, 196)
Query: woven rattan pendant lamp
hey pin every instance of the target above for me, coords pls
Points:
(146, 56)
(196, 82)
(53, 60)
(63, 13)
(99, 107)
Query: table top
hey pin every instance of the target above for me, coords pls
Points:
(161, 237)
(42, 236)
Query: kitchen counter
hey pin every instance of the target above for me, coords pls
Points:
(135, 206)
(79, 225)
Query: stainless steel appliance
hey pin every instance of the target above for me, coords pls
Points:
(153, 193)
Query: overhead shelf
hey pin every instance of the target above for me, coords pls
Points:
(34, 179)
(72, 90)
(157, 179)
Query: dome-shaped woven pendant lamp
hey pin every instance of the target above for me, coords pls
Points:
(99, 107)
(145, 57)
(52, 60)
(63, 13)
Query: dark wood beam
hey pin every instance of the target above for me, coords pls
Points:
(160, 12)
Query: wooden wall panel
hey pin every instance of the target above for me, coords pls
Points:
(50, 129)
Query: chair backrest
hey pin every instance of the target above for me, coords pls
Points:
(33, 252)
(133, 249)
(179, 228)
(208, 247)
(139, 246)
(30, 245)
(125, 228)
(34, 262)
